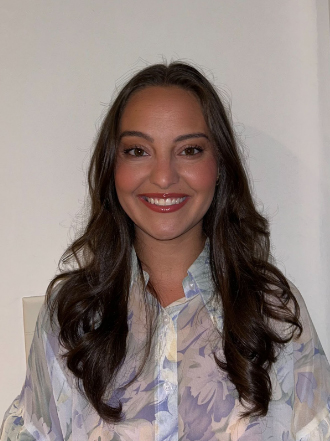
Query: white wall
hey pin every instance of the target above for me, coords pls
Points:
(60, 61)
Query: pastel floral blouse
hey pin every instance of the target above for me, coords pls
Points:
(181, 394)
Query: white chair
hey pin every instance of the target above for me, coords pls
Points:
(31, 308)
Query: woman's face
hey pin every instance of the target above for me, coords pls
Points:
(166, 167)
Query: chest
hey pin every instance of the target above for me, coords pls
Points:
(181, 393)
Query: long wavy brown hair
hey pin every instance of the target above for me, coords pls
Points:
(89, 299)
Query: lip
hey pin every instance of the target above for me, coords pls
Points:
(166, 208)
(163, 195)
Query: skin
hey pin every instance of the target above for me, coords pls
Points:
(165, 149)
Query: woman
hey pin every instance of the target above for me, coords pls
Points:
(172, 323)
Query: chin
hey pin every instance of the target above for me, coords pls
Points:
(165, 235)
(162, 234)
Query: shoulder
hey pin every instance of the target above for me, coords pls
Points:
(47, 322)
(311, 378)
(308, 329)
(297, 294)
(45, 388)
(45, 345)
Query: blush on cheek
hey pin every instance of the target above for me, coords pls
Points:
(127, 178)
(205, 177)
(123, 183)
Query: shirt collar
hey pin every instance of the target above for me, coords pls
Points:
(135, 269)
(199, 277)
(198, 281)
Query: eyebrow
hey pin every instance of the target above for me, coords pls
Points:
(136, 133)
(190, 136)
(150, 139)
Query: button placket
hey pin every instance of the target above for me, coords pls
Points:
(168, 387)
(166, 373)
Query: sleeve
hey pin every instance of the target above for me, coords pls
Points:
(311, 409)
(42, 410)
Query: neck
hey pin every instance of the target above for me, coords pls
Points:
(167, 261)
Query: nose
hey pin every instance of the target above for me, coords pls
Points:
(164, 173)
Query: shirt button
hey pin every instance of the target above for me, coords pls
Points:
(168, 387)
(166, 320)
(191, 285)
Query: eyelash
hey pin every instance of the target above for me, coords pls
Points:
(128, 151)
(194, 147)
(190, 147)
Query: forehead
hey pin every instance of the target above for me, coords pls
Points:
(167, 106)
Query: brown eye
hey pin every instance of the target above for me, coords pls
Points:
(135, 151)
(191, 151)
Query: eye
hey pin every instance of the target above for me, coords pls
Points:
(191, 150)
(136, 151)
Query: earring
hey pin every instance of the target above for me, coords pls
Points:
(218, 178)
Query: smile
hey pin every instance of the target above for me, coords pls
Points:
(164, 202)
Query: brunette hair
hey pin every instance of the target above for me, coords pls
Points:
(254, 295)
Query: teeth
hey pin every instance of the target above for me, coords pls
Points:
(163, 202)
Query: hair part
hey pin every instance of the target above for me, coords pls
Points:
(90, 302)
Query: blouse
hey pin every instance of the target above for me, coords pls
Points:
(181, 394)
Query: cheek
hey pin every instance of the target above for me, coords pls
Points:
(203, 177)
(127, 178)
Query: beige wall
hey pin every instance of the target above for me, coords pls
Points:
(60, 61)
